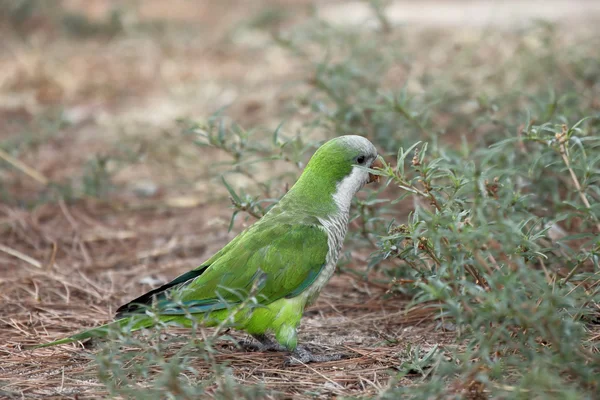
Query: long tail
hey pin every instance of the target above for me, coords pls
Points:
(132, 324)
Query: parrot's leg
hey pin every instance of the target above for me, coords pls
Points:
(302, 356)
(264, 344)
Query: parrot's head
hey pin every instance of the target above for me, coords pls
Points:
(340, 167)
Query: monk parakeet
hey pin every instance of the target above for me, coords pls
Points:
(281, 262)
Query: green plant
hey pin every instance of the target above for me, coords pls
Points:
(502, 235)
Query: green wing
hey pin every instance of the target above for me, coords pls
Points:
(274, 258)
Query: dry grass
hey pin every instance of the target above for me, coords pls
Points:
(70, 265)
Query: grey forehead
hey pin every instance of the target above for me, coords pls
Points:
(360, 143)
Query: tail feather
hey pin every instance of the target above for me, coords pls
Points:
(133, 324)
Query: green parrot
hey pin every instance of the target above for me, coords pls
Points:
(264, 278)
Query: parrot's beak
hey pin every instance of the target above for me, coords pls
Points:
(377, 164)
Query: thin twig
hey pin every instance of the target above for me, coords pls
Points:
(21, 256)
(334, 383)
(27, 170)
(564, 155)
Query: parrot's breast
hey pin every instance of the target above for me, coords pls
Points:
(336, 228)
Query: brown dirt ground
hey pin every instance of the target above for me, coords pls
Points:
(67, 266)
(87, 259)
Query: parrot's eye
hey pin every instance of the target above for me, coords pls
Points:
(360, 159)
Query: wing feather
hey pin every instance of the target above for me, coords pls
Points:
(284, 258)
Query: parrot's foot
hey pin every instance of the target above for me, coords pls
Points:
(264, 344)
(303, 356)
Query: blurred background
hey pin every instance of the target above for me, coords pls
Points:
(89, 86)
(137, 137)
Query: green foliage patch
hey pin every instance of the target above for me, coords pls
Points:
(500, 161)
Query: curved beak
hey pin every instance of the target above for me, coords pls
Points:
(377, 164)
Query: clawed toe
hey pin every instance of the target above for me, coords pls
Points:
(249, 345)
(264, 344)
(303, 356)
